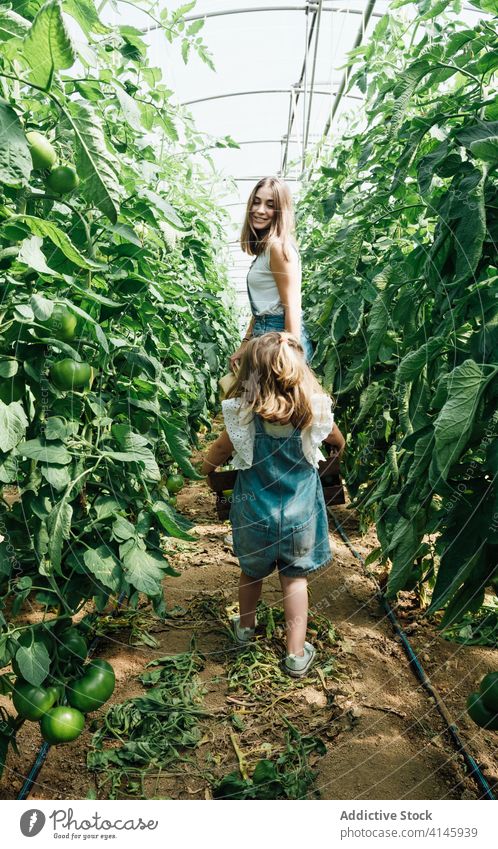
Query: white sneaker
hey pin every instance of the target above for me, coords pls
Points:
(298, 665)
(243, 636)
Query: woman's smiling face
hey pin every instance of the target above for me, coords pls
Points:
(262, 208)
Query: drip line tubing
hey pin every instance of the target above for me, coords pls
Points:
(417, 667)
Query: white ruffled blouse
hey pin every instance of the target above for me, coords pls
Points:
(241, 429)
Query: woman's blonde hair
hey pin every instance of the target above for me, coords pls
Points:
(282, 225)
(275, 381)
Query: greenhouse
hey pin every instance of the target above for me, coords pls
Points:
(248, 401)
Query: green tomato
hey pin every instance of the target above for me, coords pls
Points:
(62, 179)
(61, 725)
(73, 646)
(57, 691)
(31, 702)
(174, 484)
(61, 324)
(68, 374)
(94, 688)
(43, 154)
(479, 713)
(489, 691)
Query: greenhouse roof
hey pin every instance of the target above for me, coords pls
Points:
(277, 87)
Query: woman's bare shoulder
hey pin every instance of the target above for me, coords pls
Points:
(281, 252)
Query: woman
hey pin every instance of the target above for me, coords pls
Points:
(274, 278)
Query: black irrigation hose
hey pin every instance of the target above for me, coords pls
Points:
(415, 664)
(42, 753)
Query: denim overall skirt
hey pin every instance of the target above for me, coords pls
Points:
(278, 512)
(276, 321)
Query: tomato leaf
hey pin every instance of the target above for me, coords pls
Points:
(48, 47)
(13, 425)
(40, 227)
(97, 167)
(34, 662)
(59, 527)
(15, 158)
(105, 566)
(169, 522)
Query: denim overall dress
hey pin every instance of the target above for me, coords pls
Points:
(278, 512)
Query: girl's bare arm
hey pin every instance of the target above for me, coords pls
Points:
(218, 454)
(336, 439)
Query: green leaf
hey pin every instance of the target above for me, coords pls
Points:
(178, 446)
(486, 149)
(42, 307)
(143, 569)
(41, 227)
(8, 368)
(456, 565)
(470, 233)
(15, 158)
(48, 48)
(122, 529)
(166, 209)
(85, 13)
(106, 506)
(13, 425)
(169, 522)
(97, 168)
(34, 663)
(490, 6)
(403, 550)
(412, 364)
(129, 107)
(195, 26)
(31, 254)
(57, 476)
(105, 566)
(12, 25)
(455, 421)
(36, 449)
(59, 527)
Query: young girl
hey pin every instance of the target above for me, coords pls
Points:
(274, 278)
(276, 416)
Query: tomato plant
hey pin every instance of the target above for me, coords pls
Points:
(399, 232)
(115, 323)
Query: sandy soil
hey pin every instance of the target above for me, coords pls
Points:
(384, 738)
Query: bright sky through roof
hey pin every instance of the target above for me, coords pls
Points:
(263, 52)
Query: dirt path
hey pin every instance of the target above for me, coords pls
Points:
(383, 737)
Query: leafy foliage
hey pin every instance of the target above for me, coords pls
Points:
(134, 254)
(399, 233)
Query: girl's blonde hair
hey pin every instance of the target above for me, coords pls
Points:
(282, 225)
(274, 380)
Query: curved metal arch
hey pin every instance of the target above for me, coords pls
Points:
(255, 91)
(312, 7)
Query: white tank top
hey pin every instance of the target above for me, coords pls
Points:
(261, 287)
